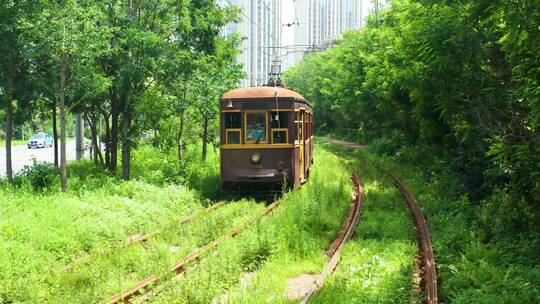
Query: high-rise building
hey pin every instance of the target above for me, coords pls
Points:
(320, 22)
(316, 24)
(261, 28)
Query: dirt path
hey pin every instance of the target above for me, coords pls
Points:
(344, 143)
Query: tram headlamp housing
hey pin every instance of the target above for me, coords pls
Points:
(280, 165)
(256, 158)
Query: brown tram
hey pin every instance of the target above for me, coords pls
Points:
(266, 138)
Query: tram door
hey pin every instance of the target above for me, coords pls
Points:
(302, 138)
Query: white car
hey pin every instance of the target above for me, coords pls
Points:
(40, 140)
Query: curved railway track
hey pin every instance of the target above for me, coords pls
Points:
(345, 233)
(428, 271)
(149, 286)
(427, 257)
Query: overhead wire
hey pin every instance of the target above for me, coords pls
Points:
(248, 18)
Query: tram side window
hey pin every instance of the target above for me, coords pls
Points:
(280, 124)
(296, 126)
(309, 125)
(256, 127)
(233, 127)
(306, 125)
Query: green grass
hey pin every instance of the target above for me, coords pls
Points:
(107, 274)
(16, 142)
(485, 252)
(290, 242)
(42, 229)
(378, 264)
(42, 232)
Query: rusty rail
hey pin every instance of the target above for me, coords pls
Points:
(427, 266)
(145, 237)
(346, 232)
(181, 221)
(144, 287)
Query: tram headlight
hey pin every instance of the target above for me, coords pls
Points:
(280, 165)
(256, 158)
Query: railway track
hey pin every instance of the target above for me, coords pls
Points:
(428, 271)
(345, 233)
(143, 238)
(148, 287)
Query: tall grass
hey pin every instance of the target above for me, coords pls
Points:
(486, 252)
(42, 229)
(107, 273)
(291, 241)
(378, 264)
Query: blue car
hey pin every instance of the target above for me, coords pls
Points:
(40, 140)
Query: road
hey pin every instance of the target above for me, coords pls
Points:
(22, 156)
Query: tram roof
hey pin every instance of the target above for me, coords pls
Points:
(264, 92)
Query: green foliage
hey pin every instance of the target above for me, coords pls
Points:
(289, 242)
(493, 260)
(153, 166)
(136, 70)
(39, 176)
(458, 76)
(202, 174)
(449, 88)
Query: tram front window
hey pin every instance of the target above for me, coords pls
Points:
(256, 127)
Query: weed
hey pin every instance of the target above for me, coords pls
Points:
(289, 242)
(39, 176)
(486, 252)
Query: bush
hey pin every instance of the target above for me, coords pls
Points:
(39, 176)
(154, 166)
(203, 175)
(390, 144)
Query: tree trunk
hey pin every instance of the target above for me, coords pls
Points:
(95, 143)
(126, 145)
(180, 136)
(55, 134)
(63, 169)
(180, 140)
(156, 139)
(107, 138)
(113, 143)
(9, 127)
(205, 136)
(79, 136)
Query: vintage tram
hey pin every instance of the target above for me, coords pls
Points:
(266, 138)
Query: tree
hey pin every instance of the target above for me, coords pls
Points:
(12, 65)
(215, 77)
(69, 35)
(457, 79)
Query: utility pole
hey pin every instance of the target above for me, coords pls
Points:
(79, 137)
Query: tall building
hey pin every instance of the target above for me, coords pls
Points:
(261, 28)
(320, 22)
(316, 24)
